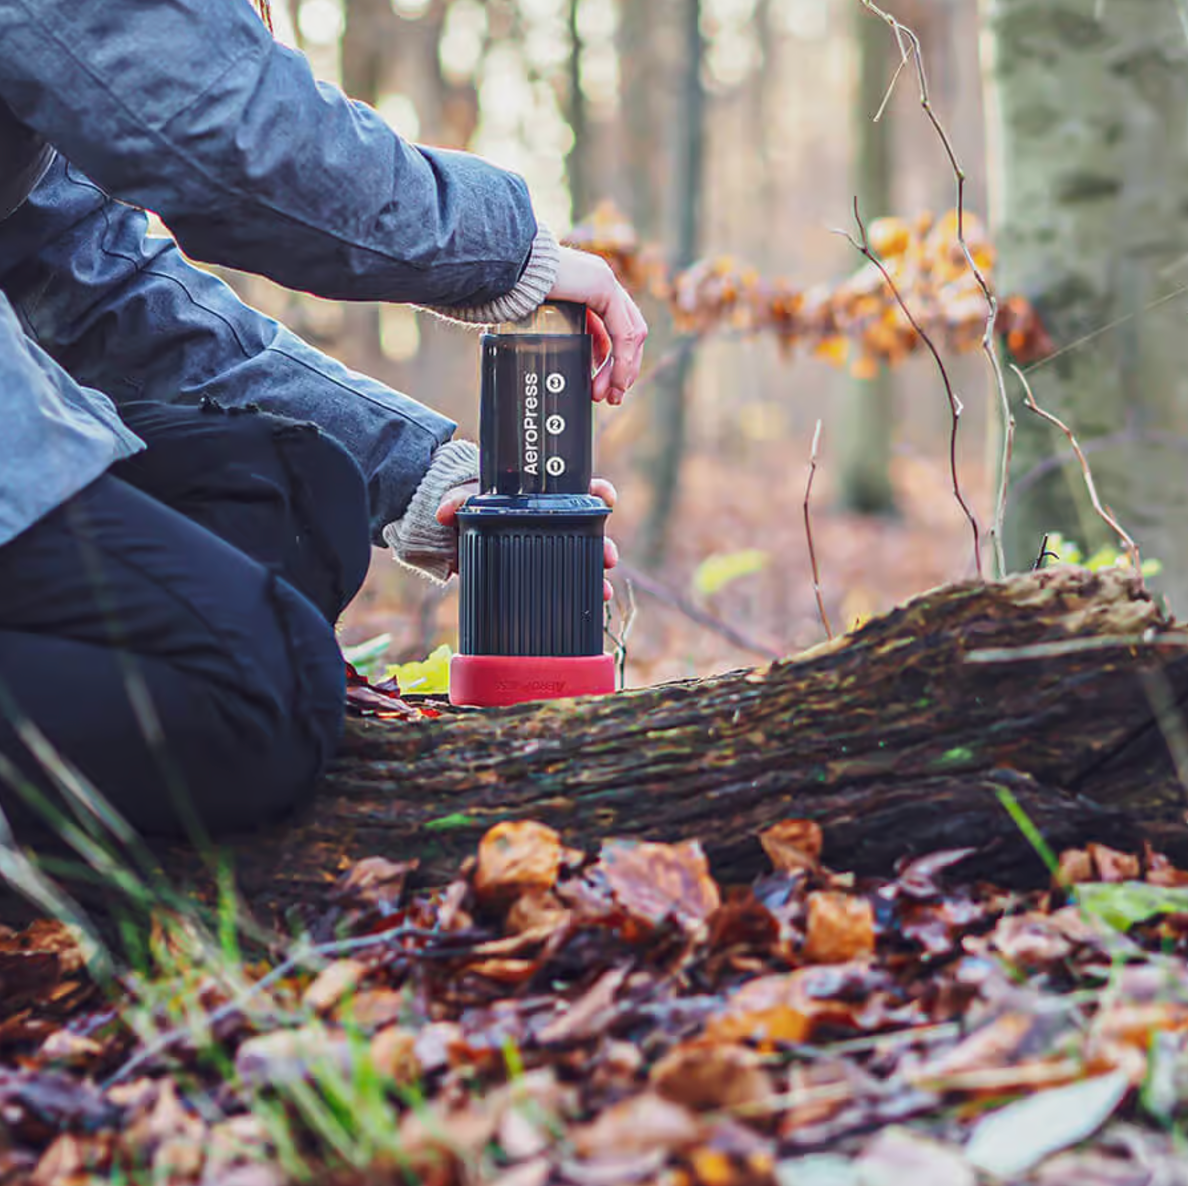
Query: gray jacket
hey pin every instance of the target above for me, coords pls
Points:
(191, 109)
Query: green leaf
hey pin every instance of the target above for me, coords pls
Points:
(1127, 903)
(715, 572)
(1009, 1142)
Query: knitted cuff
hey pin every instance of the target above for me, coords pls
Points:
(533, 286)
(417, 539)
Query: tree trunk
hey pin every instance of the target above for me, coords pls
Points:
(896, 739)
(670, 399)
(869, 412)
(577, 160)
(1090, 113)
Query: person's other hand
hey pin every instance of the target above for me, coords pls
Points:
(617, 325)
(447, 516)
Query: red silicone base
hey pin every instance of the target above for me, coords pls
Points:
(492, 681)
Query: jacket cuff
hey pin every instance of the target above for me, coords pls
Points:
(534, 285)
(417, 539)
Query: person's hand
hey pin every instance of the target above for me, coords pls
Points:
(617, 325)
(447, 516)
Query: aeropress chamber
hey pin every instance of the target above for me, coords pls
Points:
(530, 546)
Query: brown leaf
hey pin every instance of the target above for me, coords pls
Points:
(1075, 867)
(516, 856)
(787, 1008)
(588, 1016)
(373, 1009)
(793, 844)
(536, 910)
(374, 883)
(840, 928)
(917, 879)
(705, 1075)
(332, 984)
(658, 882)
(897, 1156)
(394, 1054)
(70, 1049)
(639, 1124)
(1112, 865)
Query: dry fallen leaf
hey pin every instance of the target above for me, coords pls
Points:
(705, 1075)
(840, 928)
(332, 984)
(639, 1124)
(793, 844)
(657, 883)
(514, 857)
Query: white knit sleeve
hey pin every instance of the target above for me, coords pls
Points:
(417, 539)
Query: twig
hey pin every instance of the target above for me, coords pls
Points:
(955, 407)
(1103, 513)
(1004, 478)
(910, 50)
(1045, 553)
(669, 597)
(808, 531)
(620, 640)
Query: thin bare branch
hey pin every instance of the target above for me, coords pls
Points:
(669, 597)
(808, 531)
(911, 53)
(1103, 513)
(955, 406)
(1004, 477)
(627, 615)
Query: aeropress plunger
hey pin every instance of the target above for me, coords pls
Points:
(530, 543)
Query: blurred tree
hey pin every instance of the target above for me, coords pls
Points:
(1091, 107)
(869, 411)
(670, 396)
(577, 163)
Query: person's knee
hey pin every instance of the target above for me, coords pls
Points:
(279, 773)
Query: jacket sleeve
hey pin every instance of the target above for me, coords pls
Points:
(189, 108)
(124, 313)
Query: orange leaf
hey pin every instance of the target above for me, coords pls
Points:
(514, 856)
(793, 844)
(840, 928)
(834, 350)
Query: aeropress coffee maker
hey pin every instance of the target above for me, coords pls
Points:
(530, 548)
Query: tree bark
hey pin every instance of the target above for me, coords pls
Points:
(1089, 109)
(896, 739)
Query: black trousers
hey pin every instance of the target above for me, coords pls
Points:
(168, 633)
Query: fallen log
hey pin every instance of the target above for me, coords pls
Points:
(1060, 687)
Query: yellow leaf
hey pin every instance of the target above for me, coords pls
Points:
(425, 677)
(715, 572)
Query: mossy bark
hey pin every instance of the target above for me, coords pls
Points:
(1089, 116)
(897, 739)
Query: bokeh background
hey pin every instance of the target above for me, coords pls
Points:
(717, 127)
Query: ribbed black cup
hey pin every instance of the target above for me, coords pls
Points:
(531, 575)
